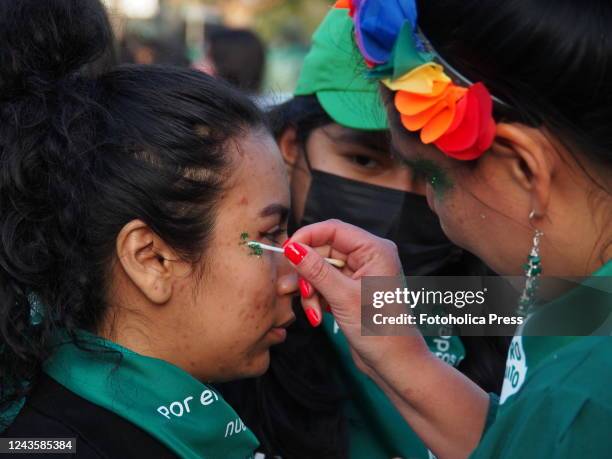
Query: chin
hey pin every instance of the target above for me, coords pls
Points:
(251, 367)
(262, 364)
(256, 366)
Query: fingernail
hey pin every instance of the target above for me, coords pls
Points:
(304, 287)
(295, 253)
(312, 316)
(287, 241)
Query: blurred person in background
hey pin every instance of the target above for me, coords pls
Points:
(334, 137)
(136, 49)
(237, 56)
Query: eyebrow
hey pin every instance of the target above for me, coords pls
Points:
(374, 141)
(275, 209)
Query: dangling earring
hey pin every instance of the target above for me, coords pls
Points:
(533, 269)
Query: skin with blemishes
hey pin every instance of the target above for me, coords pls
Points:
(487, 207)
(216, 319)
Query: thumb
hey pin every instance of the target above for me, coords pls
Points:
(326, 279)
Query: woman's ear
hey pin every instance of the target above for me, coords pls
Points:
(148, 261)
(530, 157)
(287, 143)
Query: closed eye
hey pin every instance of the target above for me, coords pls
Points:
(274, 235)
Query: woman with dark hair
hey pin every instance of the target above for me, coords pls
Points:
(334, 138)
(511, 103)
(126, 284)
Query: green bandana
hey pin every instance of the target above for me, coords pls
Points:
(189, 417)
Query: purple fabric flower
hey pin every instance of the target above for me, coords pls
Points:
(378, 23)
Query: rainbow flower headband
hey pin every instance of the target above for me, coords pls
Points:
(458, 120)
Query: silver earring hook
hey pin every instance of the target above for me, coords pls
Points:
(532, 215)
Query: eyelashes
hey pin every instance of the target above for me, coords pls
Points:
(274, 235)
(364, 162)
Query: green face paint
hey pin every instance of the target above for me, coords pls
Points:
(435, 175)
(255, 250)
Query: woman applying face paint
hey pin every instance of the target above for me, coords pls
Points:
(334, 138)
(537, 168)
(125, 291)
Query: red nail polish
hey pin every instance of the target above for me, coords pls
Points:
(287, 241)
(295, 253)
(312, 316)
(304, 287)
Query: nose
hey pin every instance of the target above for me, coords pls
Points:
(287, 284)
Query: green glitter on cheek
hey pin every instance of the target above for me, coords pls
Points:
(254, 250)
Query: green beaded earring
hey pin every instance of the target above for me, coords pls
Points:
(533, 269)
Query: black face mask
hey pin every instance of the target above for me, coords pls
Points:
(404, 218)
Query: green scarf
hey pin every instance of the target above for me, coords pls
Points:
(189, 417)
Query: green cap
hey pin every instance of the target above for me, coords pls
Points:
(335, 72)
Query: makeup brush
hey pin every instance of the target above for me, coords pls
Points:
(259, 245)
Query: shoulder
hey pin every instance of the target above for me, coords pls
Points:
(563, 410)
(52, 411)
(582, 368)
(560, 423)
(38, 421)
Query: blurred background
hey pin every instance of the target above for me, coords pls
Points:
(258, 45)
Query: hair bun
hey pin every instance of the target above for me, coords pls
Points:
(44, 41)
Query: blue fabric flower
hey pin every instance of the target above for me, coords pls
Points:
(378, 24)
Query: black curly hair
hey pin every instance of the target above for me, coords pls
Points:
(80, 157)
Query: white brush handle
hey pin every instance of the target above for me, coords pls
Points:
(271, 248)
(332, 261)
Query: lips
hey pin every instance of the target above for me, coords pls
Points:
(278, 335)
(287, 322)
(279, 332)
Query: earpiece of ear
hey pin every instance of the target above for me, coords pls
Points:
(531, 157)
(146, 260)
(289, 148)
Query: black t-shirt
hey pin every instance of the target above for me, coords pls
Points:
(52, 411)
